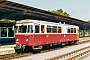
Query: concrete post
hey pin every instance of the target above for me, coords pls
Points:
(80, 33)
(89, 32)
(83, 33)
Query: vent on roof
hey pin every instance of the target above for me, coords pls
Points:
(59, 22)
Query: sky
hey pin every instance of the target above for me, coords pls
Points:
(79, 9)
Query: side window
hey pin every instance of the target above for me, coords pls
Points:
(68, 30)
(74, 30)
(54, 30)
(37, 29)
(71, 30)
(59, 30)
(49, 30)
(42, 29)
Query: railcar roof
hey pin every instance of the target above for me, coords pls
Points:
(43, 22)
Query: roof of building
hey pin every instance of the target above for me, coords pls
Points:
(16, 11)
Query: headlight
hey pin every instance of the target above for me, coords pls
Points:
(26, 40)
(17, 39)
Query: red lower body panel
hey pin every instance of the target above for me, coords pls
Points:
(38, 39)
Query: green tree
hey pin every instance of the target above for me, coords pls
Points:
(89, 21)
(60, 12)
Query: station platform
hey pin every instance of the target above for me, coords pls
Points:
(7, 49)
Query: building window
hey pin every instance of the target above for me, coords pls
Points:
(10, 32)
(6, 32)
(3, 32)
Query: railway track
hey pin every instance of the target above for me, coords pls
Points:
(74, 55)
(54, 53)
(14, 55)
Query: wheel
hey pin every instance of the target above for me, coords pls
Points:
(76, 42)
(18, 51)
(70, 43)
(28, 49)
(61, 45)
(45, 47)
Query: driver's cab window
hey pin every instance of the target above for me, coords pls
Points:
(22, 29)
(30, 29)
(37, 29)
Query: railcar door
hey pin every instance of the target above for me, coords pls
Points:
(37, 34)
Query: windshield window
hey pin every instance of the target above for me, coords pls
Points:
(30, 29)
(22, 29)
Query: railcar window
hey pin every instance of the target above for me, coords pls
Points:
(71, 30)
(37, 29)
(3, 32)
(42, 29)
(74, 30)
(59, 30)
(30, 29)
(68, 30)
(49, 29)
(22, 29)
(54, 30)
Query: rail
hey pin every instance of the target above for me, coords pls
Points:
(74, 55)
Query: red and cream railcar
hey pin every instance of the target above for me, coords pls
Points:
(36, 33)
